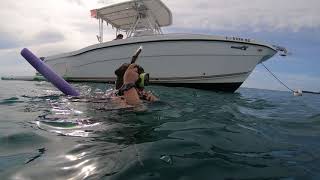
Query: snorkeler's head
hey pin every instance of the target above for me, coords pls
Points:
(143, 77)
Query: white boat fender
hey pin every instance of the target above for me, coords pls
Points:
(297, 92)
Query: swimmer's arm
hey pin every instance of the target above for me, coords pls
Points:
(131, 96)
(130, 77)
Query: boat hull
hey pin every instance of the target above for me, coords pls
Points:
(204, 63)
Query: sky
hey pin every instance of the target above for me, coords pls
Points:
(56, 26)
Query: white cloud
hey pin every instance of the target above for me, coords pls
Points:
(12, 64)
(253, 15)
(24, 21)
(27, 20)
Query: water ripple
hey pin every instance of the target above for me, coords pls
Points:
(189, 134)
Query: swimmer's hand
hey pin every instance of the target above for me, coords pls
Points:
(149, 96)
(131, 76)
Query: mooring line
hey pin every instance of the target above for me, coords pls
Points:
(276, 77)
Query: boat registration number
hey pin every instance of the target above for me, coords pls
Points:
(237, 39)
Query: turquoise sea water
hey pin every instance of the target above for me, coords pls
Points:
(189, 134)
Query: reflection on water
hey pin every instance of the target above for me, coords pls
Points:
(189, 134)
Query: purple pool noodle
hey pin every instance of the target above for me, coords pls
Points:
(49, 74)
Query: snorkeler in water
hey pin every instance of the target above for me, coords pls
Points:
(130, 83)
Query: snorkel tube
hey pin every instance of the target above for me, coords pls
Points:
(136, 55)
(143, 77)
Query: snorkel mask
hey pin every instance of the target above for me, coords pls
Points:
(143, 80)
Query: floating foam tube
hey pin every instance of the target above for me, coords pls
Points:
(48, 73)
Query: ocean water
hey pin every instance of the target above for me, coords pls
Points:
(189, 134)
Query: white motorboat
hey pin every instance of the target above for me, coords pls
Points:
(189, 60)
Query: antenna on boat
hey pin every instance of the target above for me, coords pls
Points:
(135, 56)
